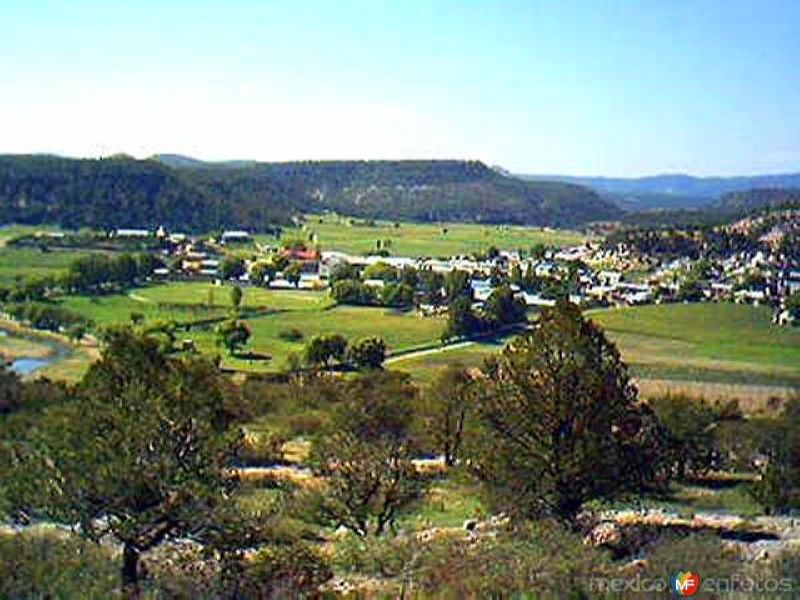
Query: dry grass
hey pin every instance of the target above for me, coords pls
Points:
(753, 399)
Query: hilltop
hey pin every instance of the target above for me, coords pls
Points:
(186, 193)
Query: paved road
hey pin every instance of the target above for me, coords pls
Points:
(417, 354)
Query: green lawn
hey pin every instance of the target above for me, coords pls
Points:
(191, 293)
(117, 308)
(310, 313)
(712, 342)
(421, 239)
(424, 369)
(399, 330)
(23, 263)
(10, 232)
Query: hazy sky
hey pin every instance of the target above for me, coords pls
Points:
(594, 87)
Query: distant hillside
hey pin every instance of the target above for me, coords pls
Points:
(757, 199)
(444, 190)
(728, 208)
(185, 193)
(673, 191)
(114, 192)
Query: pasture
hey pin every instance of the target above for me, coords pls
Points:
(292, 318)
(28, 263)
(715, 343)
(356, 236)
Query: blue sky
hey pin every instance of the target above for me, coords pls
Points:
(592, 88)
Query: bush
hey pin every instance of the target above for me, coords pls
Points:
(293, 334)
(49, 565)
(538, 559)
(261, 449)
(384, 556)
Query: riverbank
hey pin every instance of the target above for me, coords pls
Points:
(34, 353)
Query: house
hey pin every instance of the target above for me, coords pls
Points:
(755, 297)
(235, 236)
(301, 255)
(537, 300)
(609, 277)
(131, 233)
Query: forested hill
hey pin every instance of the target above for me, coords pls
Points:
(728, 208)
(756, 199)
(189, 194)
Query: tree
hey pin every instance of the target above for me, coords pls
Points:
(232, 267)
(431, 283)
(233, 335)
(348, 291)
(461, 320)
(504, 308)
(236, 297)
(292, 273)
(559, 422)
(778, 489)
(368, 353)
(397, 295)
(793, 305)
(447, 402)
(382, 271)
(689, 426)
(457, 285)
(409, 277)
(343, 271)
(322, 349)
(125, 270)
(366, 458)
(142, 453)
(262, 272)
(76, 332)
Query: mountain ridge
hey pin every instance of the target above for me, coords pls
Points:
(179, 191)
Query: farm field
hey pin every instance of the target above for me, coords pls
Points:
(420, 239)
(399, 330)
(424, 368)
(719, 343)
(16, 263)
(298, 312)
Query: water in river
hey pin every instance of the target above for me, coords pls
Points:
(26, 365)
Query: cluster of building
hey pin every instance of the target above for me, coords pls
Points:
(590, 274)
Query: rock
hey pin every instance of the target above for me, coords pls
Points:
(604, 534)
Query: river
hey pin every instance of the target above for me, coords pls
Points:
(25, 365)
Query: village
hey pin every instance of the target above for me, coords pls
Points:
(591, 274)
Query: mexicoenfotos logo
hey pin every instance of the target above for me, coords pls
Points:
(684, 583)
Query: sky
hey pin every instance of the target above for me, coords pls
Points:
(595, 87)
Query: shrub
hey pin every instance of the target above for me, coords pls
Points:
(47, 565)
(293, 334)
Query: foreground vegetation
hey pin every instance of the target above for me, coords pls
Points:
(308, 482)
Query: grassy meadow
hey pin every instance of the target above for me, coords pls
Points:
(26, 263)
(723, 349)
(354, 236)
(289, 314)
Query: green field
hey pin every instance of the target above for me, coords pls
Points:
(310, 313)
(420, 239)
(704, 342)
(23, 263)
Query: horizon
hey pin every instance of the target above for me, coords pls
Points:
(580, 90)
